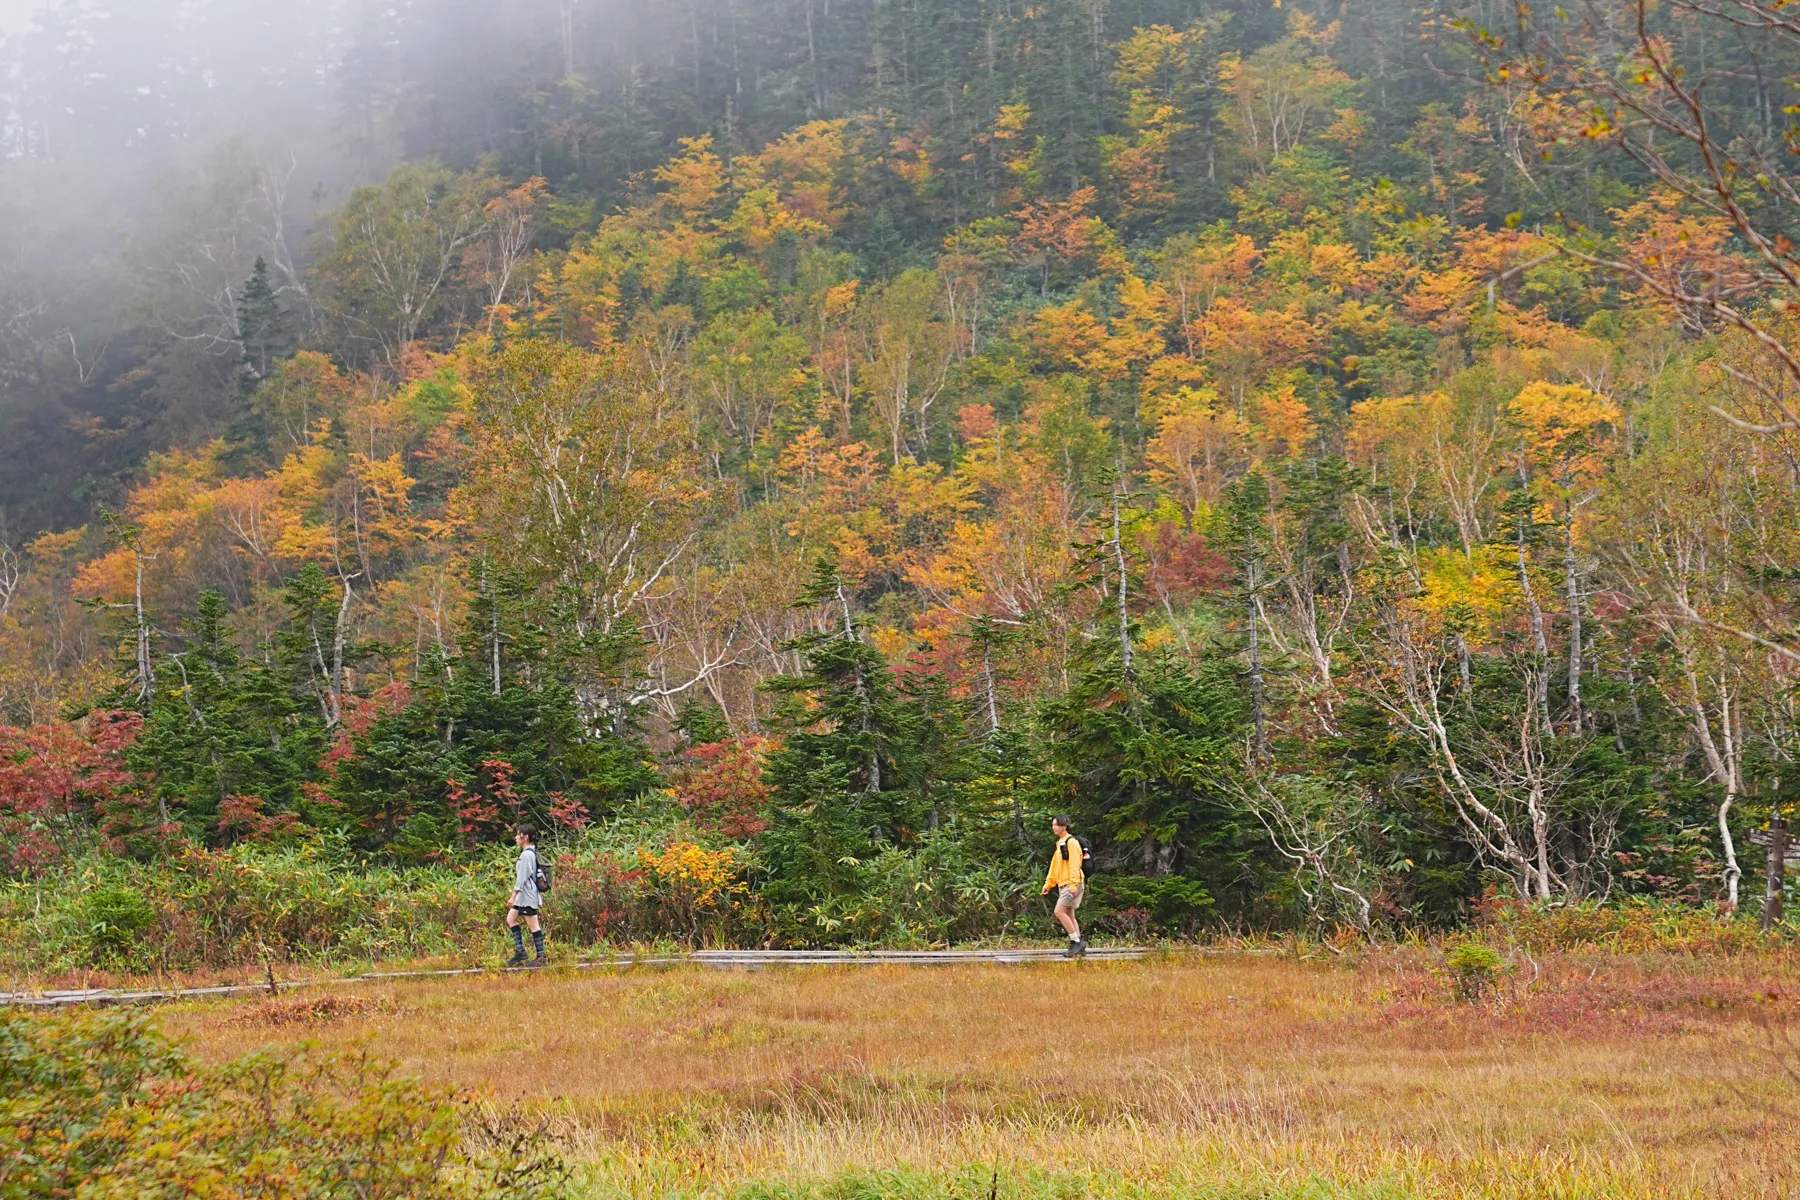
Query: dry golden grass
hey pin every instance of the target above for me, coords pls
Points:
(1232, 1076)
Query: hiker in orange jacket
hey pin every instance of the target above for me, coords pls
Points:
(1068, 876)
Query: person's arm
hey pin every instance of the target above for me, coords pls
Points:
(1077, 877)
(519, 876)
(1050, 875)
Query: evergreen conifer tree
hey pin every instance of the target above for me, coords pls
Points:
(840, 779)
(262, 329)
(1137, 750)
(1247, 509)
(500, 700)
(225, 728)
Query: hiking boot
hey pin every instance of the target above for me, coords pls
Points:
(517, 960)
(542, 960)
(1072, 949)
(1081, 948)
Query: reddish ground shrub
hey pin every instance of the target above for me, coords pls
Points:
(1630, 927)
(60, 779)
(720, 786)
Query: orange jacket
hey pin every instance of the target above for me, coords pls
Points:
(1065, 872)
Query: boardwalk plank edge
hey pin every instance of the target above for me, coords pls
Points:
(718, 959)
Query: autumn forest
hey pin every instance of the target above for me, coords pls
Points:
(1344, 455)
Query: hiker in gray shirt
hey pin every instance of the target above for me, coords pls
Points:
(525, 900)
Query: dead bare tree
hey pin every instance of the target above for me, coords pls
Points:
(12, 573)
(1504, 774)
(272, 185)
(129, 536)
(1312, 823)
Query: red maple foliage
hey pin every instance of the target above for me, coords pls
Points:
(568, 813)
(360, 714)
(241, 818)
(58, 781)
(720, 785)
(1183, 567)
(491, 800)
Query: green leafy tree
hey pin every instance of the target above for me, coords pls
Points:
(394, 264)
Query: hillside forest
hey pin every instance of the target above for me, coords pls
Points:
(1342, 454)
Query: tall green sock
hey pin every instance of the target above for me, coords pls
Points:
(518, 939)
(537, 942)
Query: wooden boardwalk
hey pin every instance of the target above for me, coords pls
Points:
(738, 960)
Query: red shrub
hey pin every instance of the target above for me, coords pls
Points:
(58, 780)
(1183, 567)
(241, 818)
(720, 785)
(491, 804)
(568, 814)
(600, 897)
(360, 715)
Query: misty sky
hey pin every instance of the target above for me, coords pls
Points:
(15, 13)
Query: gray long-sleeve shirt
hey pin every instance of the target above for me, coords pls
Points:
(525, 893)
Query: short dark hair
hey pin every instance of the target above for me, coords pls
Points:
(1059, 819)
(528, 832)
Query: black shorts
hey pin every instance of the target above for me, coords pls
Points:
(523, 911)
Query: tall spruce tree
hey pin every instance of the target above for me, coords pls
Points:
(263, 329)
(1137, 750)
(265, 337)
(841, 779)
(225, 728)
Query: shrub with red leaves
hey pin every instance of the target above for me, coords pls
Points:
(720, 786)
(568, 813)
(489, 806)
(600, 897)
(360, 715)
(241, 818)
(63, 784)
(1183, 567)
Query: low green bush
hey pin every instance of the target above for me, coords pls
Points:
(310, 902)
(1475, 969)
(117, 915)
(101, 1106)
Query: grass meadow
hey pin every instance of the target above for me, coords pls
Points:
(1230, 1075)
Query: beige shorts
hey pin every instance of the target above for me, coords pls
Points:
(1070, 897)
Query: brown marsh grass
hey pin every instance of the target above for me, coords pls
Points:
(1186, 1076)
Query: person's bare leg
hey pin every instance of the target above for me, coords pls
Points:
(1065, 914)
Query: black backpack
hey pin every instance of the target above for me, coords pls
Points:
(1086, 857)
(540, 871)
